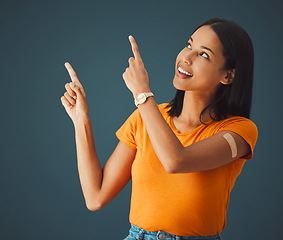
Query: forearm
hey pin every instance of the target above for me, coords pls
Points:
(167, 146)
(89, 168)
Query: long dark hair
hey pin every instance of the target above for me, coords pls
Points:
(235, 98)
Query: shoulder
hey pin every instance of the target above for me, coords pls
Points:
(244, 127)
(237, 122)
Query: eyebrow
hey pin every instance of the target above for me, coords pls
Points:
(204, 47)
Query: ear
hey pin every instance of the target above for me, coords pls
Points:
(228, 78)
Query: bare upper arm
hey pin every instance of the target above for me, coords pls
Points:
(116, 172)
(210, 153)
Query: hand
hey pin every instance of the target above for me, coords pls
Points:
(74, 100)
(135, 76)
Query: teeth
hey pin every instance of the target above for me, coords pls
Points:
(183, 71)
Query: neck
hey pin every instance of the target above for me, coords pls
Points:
(193, 105)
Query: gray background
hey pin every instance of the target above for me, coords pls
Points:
(41, 197)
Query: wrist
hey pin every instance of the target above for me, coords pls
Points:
(81, 120)
(142, 97)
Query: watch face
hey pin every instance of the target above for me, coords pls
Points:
(141, 98)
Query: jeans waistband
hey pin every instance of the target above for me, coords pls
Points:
(139, 233)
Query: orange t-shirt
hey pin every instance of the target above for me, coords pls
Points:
(186, 204)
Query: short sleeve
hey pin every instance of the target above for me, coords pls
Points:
(247, 130)
(127, 132)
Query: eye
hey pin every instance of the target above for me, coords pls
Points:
(203, 54)
(188, 45)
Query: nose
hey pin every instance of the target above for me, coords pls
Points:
(191, 55)
(189, 58)
(189, 62)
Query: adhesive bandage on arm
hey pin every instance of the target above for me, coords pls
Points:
(232, 143)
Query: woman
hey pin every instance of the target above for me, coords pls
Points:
(185, 156)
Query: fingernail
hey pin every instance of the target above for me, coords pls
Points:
(130, 36)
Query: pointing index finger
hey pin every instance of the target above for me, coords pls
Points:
(74, 77)
(135, 48)
(72, 72)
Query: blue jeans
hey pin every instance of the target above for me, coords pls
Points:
(136, 233)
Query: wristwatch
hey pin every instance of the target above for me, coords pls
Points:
(141, 98)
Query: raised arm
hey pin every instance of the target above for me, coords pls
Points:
(99, 186)
(207, 154)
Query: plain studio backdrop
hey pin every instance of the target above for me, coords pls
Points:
(41, 196)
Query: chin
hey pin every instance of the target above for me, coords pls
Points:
(178, 86)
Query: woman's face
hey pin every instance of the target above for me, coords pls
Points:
(203, 61)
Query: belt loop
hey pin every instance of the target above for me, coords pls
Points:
(139, 236)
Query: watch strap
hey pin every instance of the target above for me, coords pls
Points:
(146, 94)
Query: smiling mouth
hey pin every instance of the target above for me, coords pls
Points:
(182, 75)
(182, 71)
